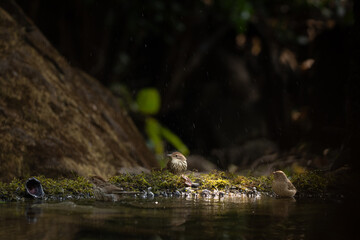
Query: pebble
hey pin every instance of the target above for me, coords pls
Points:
(205, 193)
(150, 195)
(187, 189)
(186, 192)
(143, 195)
(195, 185)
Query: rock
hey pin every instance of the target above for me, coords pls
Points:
(33, 188)
(57, 120)
(244, 155)
(200, 163)
(177, 193)
(195, 185)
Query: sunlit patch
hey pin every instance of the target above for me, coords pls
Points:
(256, 46)
(240, 40)
(307, 64)
(288, 58)
(207, 2)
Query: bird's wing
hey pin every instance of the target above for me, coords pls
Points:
(168, 164)
(290, 186)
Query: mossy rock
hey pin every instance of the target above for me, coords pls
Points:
(55, 188)
(312, 183)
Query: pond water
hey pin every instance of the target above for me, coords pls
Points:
(179, 218)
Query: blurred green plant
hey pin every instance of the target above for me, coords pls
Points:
(147, 103)
(238, 12)
(157, 133)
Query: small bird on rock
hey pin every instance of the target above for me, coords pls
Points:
(177, 163)
(282, 185)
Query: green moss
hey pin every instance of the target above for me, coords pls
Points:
(164, 180)
(310, 182)
(52, 187)
(215, 180)
(66, 186)
(306, 183)
(157, 180)
(12, 190)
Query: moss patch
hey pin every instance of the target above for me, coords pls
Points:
(306, 183)
(53, 188)
(157, 180)
(309, 183)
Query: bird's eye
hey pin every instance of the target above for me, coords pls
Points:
(176, 155)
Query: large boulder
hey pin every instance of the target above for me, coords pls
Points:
(56, 120)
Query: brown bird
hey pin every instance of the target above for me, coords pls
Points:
(103, 190)
(282, 185)
(177, 163)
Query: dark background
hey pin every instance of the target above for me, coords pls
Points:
(239, 80)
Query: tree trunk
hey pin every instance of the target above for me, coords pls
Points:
(56, 120)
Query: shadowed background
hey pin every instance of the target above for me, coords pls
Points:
(241, 83)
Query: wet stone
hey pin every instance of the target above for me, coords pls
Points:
(177, 193)
(195, 185)
(150, 195)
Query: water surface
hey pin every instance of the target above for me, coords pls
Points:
(179, 218)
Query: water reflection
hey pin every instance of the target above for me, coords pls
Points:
(179, 218)
(32, 214)
(282, 207)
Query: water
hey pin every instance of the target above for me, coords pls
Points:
(178, 218)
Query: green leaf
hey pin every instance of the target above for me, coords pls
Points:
(174, 140)
(153, 130)
(148, 100)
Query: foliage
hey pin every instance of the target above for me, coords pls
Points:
(156, 133)
(174, 140)
(147, 104)
(238, 12)
(148, 101)
(153, 130)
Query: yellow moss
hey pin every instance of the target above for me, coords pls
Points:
(215, 180)
(65, 186)
(157, 180)
(163, 180)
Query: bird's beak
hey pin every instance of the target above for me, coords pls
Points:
(169, 154)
